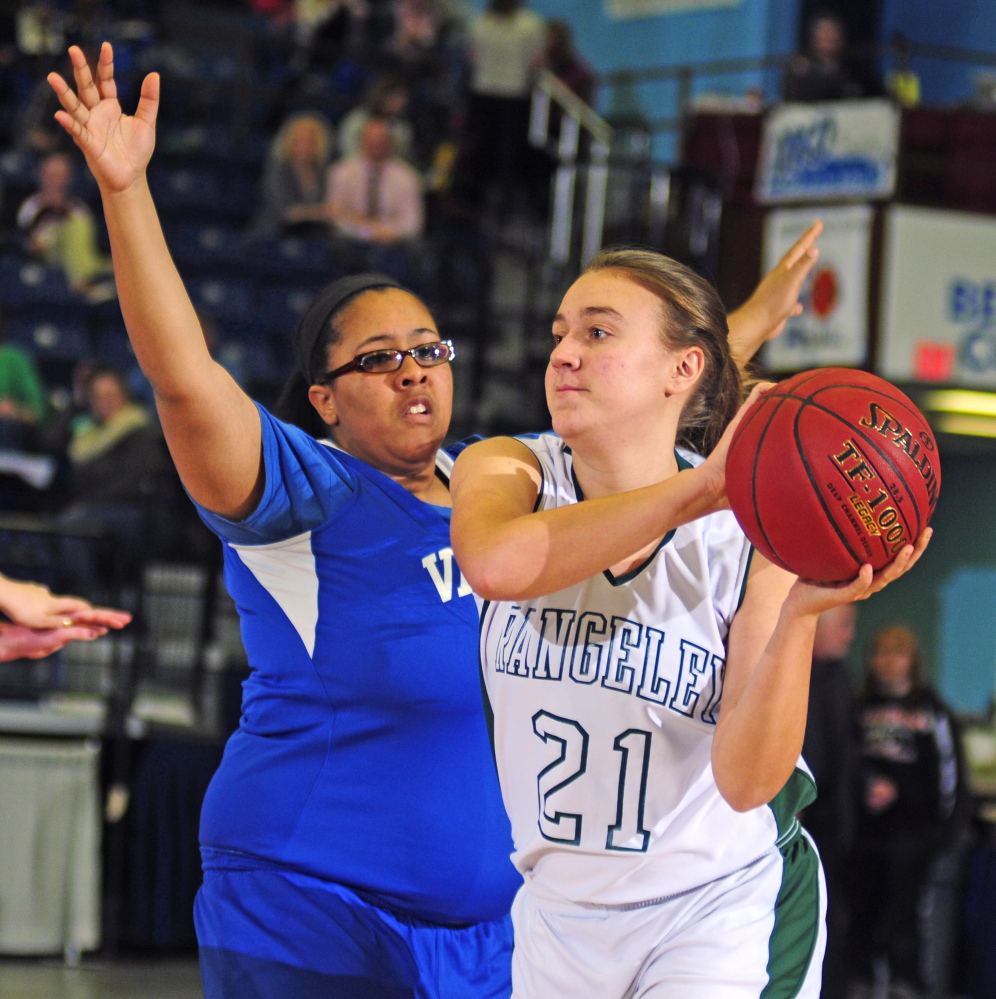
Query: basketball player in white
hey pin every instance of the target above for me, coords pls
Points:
(648, 677)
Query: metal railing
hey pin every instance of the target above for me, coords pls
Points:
(575, 117)
(899, 49)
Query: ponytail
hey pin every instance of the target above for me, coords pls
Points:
(692, 316)
(294, 406)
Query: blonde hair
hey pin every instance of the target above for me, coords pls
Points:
(692, 315)
(319, 127)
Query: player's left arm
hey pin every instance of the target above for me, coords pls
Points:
(762, 720)
(775, 300)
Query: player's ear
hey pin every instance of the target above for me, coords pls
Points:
(687, 366)
(324, 402)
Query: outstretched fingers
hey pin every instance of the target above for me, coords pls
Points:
(148, 103)
(799, 251)
(105, 72)
(85, 86)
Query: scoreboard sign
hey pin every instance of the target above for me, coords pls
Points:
(833, 327)
(839, 150)
(938, 320)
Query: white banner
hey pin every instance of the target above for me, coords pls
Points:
(839, 150)
(833, 328)
(939, 298)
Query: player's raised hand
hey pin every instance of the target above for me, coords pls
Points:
(713, 469)
(815, 598)
(117, 146)
(776, 299)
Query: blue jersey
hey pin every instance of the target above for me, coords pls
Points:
(363, 756)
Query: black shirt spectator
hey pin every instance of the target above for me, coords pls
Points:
(820, 74)
(910, 800)
(828, 750)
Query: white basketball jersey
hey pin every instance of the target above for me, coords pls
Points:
(605, 698)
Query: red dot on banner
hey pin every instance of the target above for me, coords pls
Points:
(824, 295)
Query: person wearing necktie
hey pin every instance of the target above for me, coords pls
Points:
(374, 199)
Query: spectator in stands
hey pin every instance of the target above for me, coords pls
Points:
(820, 74)
(506, 48)
(387, 99)
(828, 749)
(910, 802)
(375, 203)
(563, 60)
(294, 179)
(22, 397)
(418, 26)
(61, 230)
(115, 448)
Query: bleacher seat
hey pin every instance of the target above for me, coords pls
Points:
(221, 299)
(25, 281)
(114, 347)
(61, 341)
(291, 260)
(281, 308)
(205, 246)
(185, 187)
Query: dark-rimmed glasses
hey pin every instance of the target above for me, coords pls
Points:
(382, 362)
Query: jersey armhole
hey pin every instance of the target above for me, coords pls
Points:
(748, 559)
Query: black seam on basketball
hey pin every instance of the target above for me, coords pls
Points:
(886, 456)
(753, 478)
(858, 561)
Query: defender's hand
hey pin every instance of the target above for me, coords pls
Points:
(117, 146)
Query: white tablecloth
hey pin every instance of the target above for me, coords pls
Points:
(50, 829)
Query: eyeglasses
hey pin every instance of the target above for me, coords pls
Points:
(381, 362)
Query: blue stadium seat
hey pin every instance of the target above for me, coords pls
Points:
(185, 187)
(203, 246)
(221, 299)
(64, 341)
(281, 308)
(23, 281)
(248, 358)
(114, 347)
(276, 259)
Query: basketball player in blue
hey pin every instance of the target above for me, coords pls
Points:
(354, 838)
(648, 676)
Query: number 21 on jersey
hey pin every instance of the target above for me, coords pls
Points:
(633, 746)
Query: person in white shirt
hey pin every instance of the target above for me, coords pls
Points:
(506, 48)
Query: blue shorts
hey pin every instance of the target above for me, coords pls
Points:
(267, 934)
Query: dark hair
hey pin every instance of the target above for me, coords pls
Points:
(504, 6)
(900, 635)
(692, 316)
(106, 371)
(294, 405)
(382, 88)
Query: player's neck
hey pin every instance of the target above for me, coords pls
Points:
(605, 471)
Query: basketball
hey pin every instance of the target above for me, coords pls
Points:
(830, 470)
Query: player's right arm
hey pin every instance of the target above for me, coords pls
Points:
(508, 552)
(212, 427)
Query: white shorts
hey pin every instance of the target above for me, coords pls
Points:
(756, 934)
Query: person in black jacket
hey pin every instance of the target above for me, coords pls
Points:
(909, 788)
(828, 750)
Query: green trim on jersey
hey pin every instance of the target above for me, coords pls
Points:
(797, 919)
(743, 585)
(798, 793)
(628, 577)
